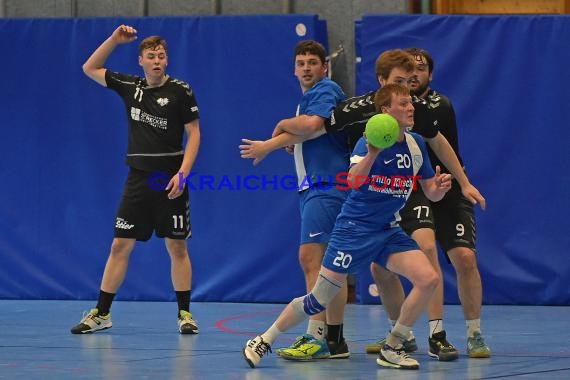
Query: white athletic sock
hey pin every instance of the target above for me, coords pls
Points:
(435, 326)
(317, 329)
(473, 325)
(399, 332)
(393, 323)
(271, 334)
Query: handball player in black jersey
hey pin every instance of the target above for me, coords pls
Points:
(160, 110)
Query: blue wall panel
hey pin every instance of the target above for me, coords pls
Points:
(64, 143)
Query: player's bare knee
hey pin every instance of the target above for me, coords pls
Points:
(176, 248)
(427, 281)
(121, 248)
(179, 254)
(310, 263)
(311, 257)
(464, 261)
(432, 280)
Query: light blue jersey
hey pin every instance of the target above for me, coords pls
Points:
(320, 160)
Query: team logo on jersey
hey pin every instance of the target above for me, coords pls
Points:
(418, 159)
(135, 113)
(162, 101)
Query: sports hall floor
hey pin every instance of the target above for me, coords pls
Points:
(35, 343)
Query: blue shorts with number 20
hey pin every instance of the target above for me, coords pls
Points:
(351, 249)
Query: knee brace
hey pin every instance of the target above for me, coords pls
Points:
(316, 301)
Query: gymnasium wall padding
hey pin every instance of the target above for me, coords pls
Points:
(64, 145)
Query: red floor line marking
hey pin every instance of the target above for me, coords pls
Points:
(220, 325)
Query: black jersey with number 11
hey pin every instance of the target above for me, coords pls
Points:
(156, 117)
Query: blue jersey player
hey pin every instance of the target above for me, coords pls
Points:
(318, 162)
(367, 231)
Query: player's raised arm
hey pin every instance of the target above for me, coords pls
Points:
(93, 67)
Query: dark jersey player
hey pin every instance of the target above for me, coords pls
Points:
(160, 110)
(453, 217)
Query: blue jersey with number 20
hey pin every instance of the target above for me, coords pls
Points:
(375, 205)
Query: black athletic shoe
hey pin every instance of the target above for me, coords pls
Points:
(441, 349)
(338, 350)
(92, 322)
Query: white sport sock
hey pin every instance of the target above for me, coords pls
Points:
(271, 334)
(435, 326)
(317, 329)
(398, 335)
(473, 325)
(393, 323)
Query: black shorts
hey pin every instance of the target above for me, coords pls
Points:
(143, 210)
(454, 220)
(417, 212)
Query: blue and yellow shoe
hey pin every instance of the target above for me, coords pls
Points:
(476, 347)
(296, 344)
(309, 350)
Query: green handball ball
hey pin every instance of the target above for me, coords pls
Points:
(382, 131)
